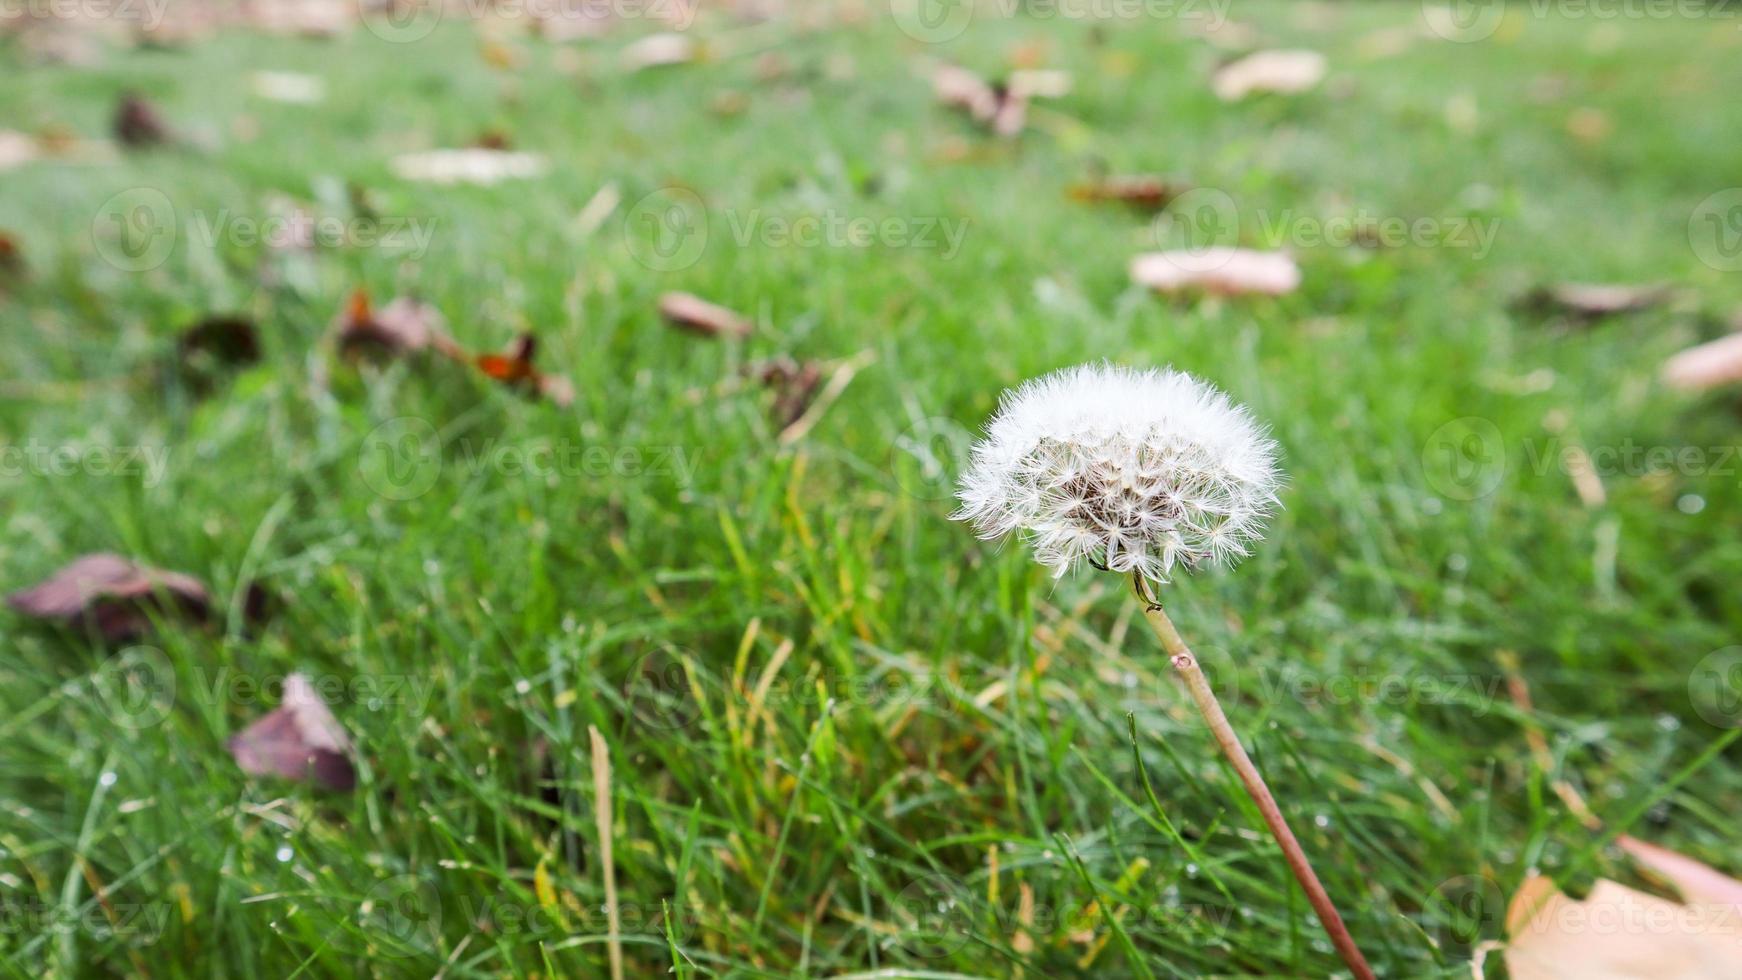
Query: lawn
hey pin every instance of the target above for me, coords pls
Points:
(845, 736)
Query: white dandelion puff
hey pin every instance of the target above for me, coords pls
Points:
(1134, 471)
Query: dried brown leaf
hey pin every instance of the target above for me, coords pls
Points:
(217, 343)
(403, 326)
(1708, 365)
(1286, 72)
(690, 312)
(471, 165)
(514, 368)
(1221, 271)
(113, 596)
(1593, 301)
(1148, 192)
(658, 51)
(299, 740)
(138, 123)
(1617, 933)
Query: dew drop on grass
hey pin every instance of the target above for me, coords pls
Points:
(1322, 821)
(522, 687)
(284, 855)
(1668, 723)
(1191, 871)
(1690, 503)
(106, 779)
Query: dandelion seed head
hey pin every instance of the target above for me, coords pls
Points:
(1137, 470)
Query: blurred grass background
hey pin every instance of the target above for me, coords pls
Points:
(942, 730)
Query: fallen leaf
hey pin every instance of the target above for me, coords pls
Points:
(1592, 301)
(493, 139)
(112, 595)
(16, 149)
(216, 343)
(403, 326)
(689, 312)
(514, 368)
(1695, 881)
(658, 51)
(295, 88)
(794, 385)
(1708, 365)
(1617, 933)
(1286, 72)
(1001, 107)
(300, 740)
(472, 165)
(138, 123)
(1222, 271)
(317, 19)
(11, 256)
(1147, 192)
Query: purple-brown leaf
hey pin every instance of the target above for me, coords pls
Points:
(403, 326)
(138, 123)
(112, 595)
(300, 740)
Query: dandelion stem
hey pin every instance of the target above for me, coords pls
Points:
(1186, 665)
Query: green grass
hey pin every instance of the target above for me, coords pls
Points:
(947, 729)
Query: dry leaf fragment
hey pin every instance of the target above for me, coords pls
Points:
(1617, 933)
(1286, 72)
(292, 87)
(1593, 301)
(138, 123)
(1707, 365)
(112, 595)
(794, 385)
(16, 149)
(1001, 107)
(403, 326)
(1697, 882)
(1147, 192)
(11, 256)
(315, 19)
(1222, 271)
(218, 342)
(658, 51)
(300, 740)
(697, 315)
(472, 165)
(514, 368)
